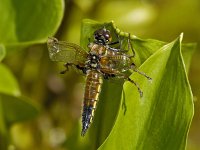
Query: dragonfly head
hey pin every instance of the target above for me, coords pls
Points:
(102, 36)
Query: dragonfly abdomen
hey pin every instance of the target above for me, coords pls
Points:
(91, 96)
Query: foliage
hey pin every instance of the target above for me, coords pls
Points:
(159, 120)
(21, 33)
(22, 23)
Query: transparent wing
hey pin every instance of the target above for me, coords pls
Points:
(119, 63)
(65, 52)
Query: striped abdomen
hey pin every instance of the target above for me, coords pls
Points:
(91, 96)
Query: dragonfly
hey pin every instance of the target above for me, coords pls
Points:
(101, 61)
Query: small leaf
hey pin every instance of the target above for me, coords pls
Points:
(17, 109)
(8, 83)
(14, 107)
(28, 22)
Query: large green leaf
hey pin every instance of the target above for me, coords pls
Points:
(161, 118)
(161, 62)
(27, 22)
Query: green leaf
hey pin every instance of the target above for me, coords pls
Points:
(28, 22)
(161, 118)
(17, 109)
(8, 83)
(3, 129)
(13, 107)
(111, 125)
(2, 52)
(13, 104)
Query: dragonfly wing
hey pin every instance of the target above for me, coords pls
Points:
(66, 52)
(116, 63)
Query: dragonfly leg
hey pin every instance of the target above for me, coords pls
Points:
(135, 83)
(66, 65)
(130, 46)
(114, 49)
(117, 49)
(84, 69)
(120, 45)
(125, 77)
(142, 73)
(108, 76)
(121, 40)
(124, 102)
(134, 68)
(113, 43)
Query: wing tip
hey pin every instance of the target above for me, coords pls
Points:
(51, 41)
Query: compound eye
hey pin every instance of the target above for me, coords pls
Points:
(97, 35)
(107, 36)
(102, 35)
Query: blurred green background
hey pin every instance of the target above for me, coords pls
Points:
(60, 104)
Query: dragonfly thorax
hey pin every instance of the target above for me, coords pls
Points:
(93, 61)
